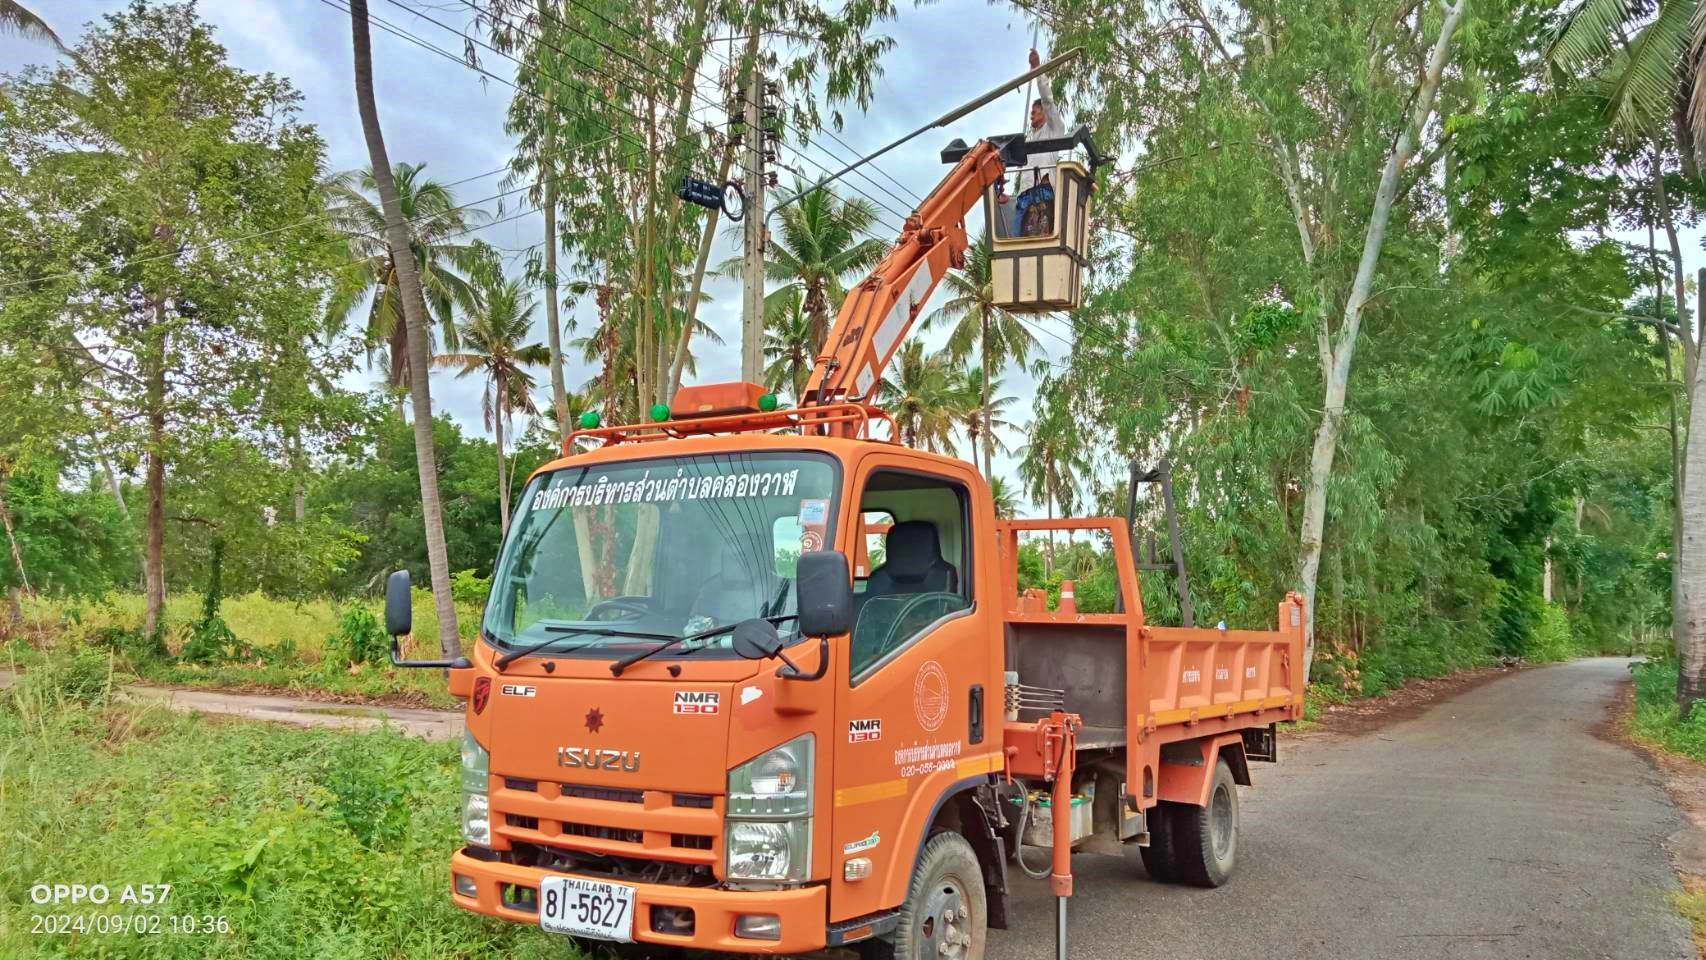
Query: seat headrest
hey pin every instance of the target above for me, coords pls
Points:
(912, 550)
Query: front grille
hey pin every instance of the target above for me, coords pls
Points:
(603, 833)
(589, 822)
(602, 793)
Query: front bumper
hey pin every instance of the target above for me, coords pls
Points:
(803, 911)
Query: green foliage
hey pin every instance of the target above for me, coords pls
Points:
(373, 784)
(211, 639)
(82, 677)
(360, 638)
(470, 588)
(1657, 719)
(74, 542)
(263, 825)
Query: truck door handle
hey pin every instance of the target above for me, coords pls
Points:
(976, 701)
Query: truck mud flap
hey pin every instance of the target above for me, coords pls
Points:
(1261, 743)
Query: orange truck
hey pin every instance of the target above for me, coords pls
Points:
(754, 679)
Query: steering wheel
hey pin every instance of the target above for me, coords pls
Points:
(894, 637)
(638, 605)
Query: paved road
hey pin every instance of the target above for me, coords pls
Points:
(1496, 825)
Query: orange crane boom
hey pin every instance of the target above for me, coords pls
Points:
(876, 315)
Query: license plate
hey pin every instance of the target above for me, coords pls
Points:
(587, 908)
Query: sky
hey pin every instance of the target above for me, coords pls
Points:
(439, 112)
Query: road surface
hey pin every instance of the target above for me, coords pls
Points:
(1495, 825)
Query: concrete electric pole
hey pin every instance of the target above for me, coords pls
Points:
(752, 273)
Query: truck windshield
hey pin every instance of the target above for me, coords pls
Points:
(671, 546)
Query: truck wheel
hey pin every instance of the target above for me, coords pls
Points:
(1206, 838)
(946, 911)
(1161, 857)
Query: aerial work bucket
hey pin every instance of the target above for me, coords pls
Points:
(1040, 238)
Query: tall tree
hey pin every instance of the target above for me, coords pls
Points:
(996, 336)
(982, 413)
(170, 215)
(1053, 462)
(495, 349)
(919, 393)
(787, 342)
(449, 265)
(17, 19)
(414, 309)
(820, 247)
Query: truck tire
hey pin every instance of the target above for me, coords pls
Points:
(946, 914)
(1161, 857)
(1206, 838)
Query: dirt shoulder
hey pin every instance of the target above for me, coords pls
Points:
(1685, 781)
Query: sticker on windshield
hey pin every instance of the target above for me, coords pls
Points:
(698, 703)
(814, 513)
(669, 489)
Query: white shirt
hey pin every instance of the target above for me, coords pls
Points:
(1042, 164)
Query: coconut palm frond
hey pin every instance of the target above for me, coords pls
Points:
(1588, 34)
(1644, 96)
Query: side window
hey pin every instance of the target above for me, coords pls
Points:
(917, 529)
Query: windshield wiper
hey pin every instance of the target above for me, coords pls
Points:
(515, 655)
(628, 661)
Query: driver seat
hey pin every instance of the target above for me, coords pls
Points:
(912, 563)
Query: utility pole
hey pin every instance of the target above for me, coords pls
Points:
(752, 273)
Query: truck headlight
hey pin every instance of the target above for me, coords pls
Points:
(476, 809)
(769, 831)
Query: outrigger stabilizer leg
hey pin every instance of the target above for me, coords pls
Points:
(1063, 729)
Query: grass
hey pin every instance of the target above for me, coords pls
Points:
(1657, 720)
(309, 843)
(293, 643)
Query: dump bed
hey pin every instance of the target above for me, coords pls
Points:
(1138, 686)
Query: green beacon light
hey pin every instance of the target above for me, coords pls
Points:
(589, 420)
(767, 402)
(660, 412)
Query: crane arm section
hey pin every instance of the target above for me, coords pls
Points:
(876, 314)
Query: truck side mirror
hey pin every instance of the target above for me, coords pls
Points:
(399, 604)
(400, 621)
(825, 591)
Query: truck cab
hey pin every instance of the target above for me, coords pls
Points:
(748, 805)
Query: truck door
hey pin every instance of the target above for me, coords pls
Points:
(918, 670)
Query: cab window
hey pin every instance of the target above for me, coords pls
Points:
(918, 539)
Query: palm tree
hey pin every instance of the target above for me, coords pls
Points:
(17, 20)
(414, 314)
(493, 335)
(449, 267)
(1640, 53)
(981, 414)
(816, 251)
(922, 399)
(1005, 497)
(787, 342)
(1050, 462)
(998, 336)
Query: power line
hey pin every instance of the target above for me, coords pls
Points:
(427, 45)
(666, 54)
(1107, 336)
